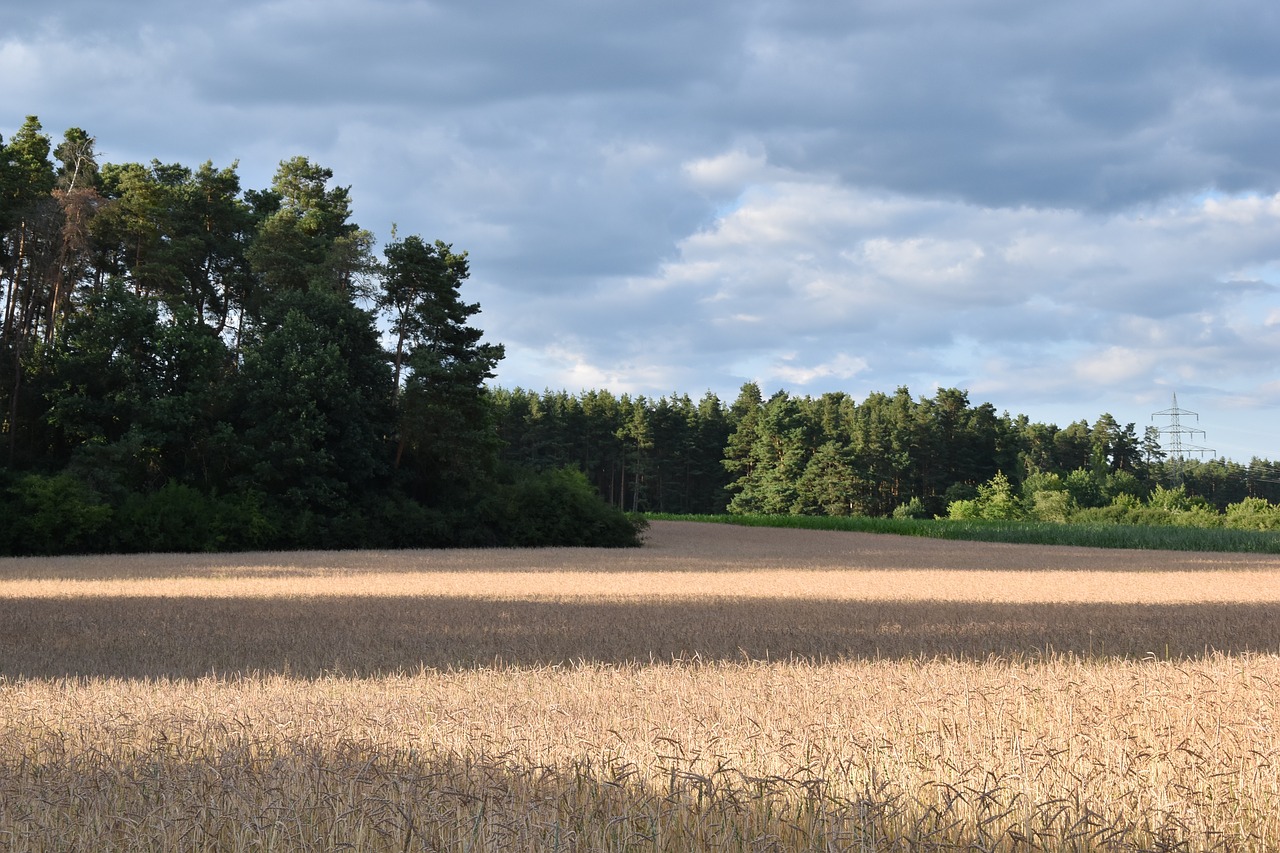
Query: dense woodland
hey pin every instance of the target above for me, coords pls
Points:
(834, 455)
(186, 364)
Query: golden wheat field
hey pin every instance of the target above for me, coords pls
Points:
(722, 688)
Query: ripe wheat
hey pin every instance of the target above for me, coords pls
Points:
(895, 704)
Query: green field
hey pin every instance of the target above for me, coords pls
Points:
(1019, 532)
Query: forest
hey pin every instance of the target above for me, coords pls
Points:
(189, 365)
(834, 455)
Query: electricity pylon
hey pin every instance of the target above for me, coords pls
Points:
(1175, 430)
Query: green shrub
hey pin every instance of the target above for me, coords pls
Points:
(1123, 484)
(1197, 516)
(1085, 488)
(1041, 481)
(556, 507)
(172, 518)
(1053, 505)
(913, 508)
(959, 492)
(398, 521)
(8, 514)
(182, 519)
(1124, 509)
(1252, 514)
(997, 500)
(56, 514)
(994, 501)
(241, 523)
(1172, 500)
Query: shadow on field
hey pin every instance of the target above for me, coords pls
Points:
(670, 546)
(132, 637)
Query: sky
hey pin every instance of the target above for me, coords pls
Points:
(1064, 209)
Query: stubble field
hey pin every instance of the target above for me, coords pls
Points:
(722, 688)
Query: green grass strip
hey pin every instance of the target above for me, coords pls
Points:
(1149, 538)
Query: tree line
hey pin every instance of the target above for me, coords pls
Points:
(186, 364)
(189, 365)
(835, 455)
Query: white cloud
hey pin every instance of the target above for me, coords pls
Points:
(923, 262)
(730, 171)
(841, 368)
(1112, 365)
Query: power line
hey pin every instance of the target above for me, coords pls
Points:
(1175, 430)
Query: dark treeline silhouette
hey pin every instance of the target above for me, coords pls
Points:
(187, 365)
(657, 455)
(834, 455)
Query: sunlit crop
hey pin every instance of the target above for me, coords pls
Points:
(717, 690)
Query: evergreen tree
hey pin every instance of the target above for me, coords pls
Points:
(314, 410)
(29, 228)
(775, 460)
(828, 485)
(444, 427)
(187, 365)
(744, 419)
(306, 238)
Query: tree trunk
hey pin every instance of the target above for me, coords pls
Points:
(11, 307)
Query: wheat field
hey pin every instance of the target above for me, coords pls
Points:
(720, 689)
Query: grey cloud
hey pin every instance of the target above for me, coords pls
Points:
(1061, 106)
(670, 196)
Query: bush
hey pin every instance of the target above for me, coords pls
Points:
(173, 518)
(1124, 509)
(398, 521)
(8, 512)
(913, 508)
(964, 510)
(1173, 500)
(556, 507)
(1041, 481)
(995, 501)
(56, 515)
(1198, 516)
(241, 524)
(959, 492)
(182, 519)
(1252, 514)
(1119, 484)
(1085, 489)
(1052, 505)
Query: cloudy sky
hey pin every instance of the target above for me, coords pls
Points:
(1064, 208)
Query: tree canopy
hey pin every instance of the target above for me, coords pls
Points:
(835, 455)
(185, 364)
